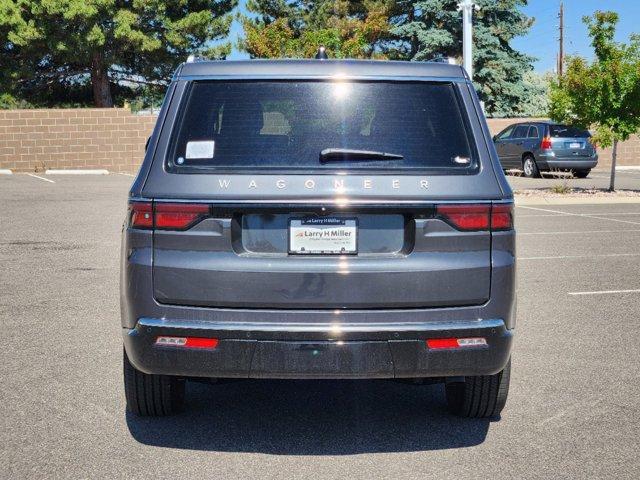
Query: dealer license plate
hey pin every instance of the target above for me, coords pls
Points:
(323, 236)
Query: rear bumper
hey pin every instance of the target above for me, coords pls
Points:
(567, 162)
(303, 350)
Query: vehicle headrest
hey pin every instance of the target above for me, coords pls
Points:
(245, 117)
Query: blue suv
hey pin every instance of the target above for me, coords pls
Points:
(536, 147)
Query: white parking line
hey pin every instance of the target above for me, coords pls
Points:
(41, 178)
(561, 257)
(581, 215)
(99, 171)
(126, 174)
(578, 232)
(604, 292)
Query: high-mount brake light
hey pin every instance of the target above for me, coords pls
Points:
(546, 143)
(466, 217)
(477, 217)
(140, 215)
(179, 216)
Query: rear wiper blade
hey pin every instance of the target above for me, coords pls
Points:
(339, 154)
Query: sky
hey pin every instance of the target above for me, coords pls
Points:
(542, 39)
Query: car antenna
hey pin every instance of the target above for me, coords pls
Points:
(322, 53)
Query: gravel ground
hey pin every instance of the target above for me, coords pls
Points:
(628, 180)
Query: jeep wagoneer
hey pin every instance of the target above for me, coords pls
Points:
(319, 219)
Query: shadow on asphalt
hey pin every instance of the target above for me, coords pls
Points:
(302, 417)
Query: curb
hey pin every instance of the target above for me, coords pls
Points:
(5, 171)
(619, 168)
(77, 172)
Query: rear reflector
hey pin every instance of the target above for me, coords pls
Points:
(187, 342)
(179, 216)
(141, 215)
(441, 343)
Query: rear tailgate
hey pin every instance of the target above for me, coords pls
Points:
(248, 153)
(572, 147)
(570, 142)
(241, 258)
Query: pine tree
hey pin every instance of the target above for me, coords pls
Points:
(104, 43)
(295, 29)
(431, 28)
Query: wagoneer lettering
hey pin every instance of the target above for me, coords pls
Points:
(287, 223)
(339, 185)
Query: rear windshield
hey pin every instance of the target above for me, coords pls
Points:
(318, 125)
(563, 131)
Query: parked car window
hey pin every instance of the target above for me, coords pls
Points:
(564, 131)
(520, 131)
(533, 132)
(503, 135)
(286, 124)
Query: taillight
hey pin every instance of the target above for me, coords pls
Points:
(166, 216)
(470, 217)
(466, 217)
(179, 216)
(502, 216)
(140, 215)
(546, 143)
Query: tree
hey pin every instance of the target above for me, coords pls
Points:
(536, 101)
(104, 43)
(430, 28)
(604, 94)
(295, 29)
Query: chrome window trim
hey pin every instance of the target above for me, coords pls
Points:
(320, 201)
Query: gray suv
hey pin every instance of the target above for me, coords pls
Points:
(319, 219)
(535, 147)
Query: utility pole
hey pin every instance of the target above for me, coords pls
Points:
(467, 7)
(561, 39)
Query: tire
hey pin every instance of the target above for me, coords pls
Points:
(529, 167)
(479, 397)
(152, 395)
(583, 173)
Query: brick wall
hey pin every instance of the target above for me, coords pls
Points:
(38, 139)
(35, 140)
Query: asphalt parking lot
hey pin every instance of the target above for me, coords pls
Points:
(573, 410)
